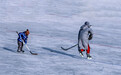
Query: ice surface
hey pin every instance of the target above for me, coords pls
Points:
(55, 23)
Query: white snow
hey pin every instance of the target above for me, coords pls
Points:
(55, 23)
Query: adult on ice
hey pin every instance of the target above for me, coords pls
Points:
(22, 37)
(85, 34)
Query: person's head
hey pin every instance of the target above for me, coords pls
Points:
(88, 24)
(27, 32)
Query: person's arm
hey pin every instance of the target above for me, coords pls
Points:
(23, 37)
(79, 34)
(25, 40)
(90, 34)
(20, 37)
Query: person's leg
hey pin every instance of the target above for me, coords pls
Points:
(19, 46)
(88, 52)
(22, 47)
(81, 46)
(80, 50)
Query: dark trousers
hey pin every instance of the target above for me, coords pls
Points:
(20, 46)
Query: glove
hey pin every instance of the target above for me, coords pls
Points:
(90, 37)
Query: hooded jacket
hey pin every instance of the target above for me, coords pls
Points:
(83, 36)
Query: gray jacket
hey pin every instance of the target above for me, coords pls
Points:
(83, 36)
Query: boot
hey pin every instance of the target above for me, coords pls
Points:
(88, 56)
(18, 51)
(22, 51)
(81, 54)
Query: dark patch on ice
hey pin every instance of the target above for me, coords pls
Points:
(8, 49)
(63, 53)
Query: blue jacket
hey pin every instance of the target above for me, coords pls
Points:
(22, 37)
